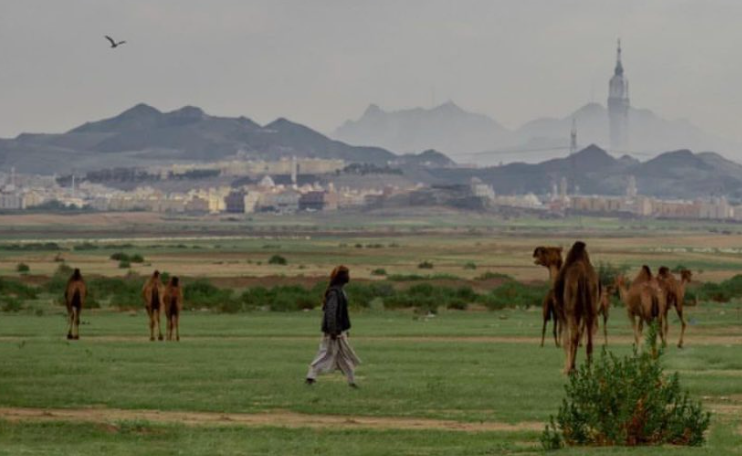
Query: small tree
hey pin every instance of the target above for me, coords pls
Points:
(626, 401)
(425, 265)
(23, 268)
(277, 259)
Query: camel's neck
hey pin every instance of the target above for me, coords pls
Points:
(553, 272)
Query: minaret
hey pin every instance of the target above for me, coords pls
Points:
(573, 138)
(618, 105)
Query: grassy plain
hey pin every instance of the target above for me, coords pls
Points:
(465, 383)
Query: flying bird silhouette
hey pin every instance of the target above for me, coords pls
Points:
(114, 43)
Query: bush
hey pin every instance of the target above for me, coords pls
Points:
(607, 272)
(23, 268)
(85, 246)
(720, 292)
(514, 294)
(137, 258)
(470, 265)
(626, 401)
(119, 256)
(124, 264)
(15, 289)
(201, 293)
(378, 272)
(425, 265)
(11, 304)
(277, 259)
(489, 275)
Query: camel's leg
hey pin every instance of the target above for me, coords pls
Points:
(76, 330)
(555, 330)
(159, 327)
(605, 327)
(679, 310)
(71, 318)
(151, 314)
(575, 341)
(661, 325)
(590, 334)
(176, 323)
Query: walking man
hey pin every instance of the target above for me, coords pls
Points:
(334, 350)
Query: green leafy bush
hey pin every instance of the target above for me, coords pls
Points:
(489, 275)
(136, 258)
(124, 264)
(378, 272)
(626, 401)
(277, 259)
(11, 304)
(425, 265)
(201, 293)
(23, 268)
(15, 289)
(607, 272)
(723, 291)
(514, 294)
(470, 266)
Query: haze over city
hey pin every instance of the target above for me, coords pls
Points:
(321, 63)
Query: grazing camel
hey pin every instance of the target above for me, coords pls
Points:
(604, 307)
(152, 293)
(551, 259)
(675, 295)
(74, 298)
(645, 302)
(576, 291)
(173, 307)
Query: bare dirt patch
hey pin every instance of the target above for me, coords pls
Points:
(275, 418)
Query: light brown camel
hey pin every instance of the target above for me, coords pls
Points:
(153, 294)
(675, 295)
(173, 307)
(604, 307)
(645, 302)
(551, 259)
(74, 298)
(576, 290)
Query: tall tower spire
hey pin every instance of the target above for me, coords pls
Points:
(573, 138)
(618, 104)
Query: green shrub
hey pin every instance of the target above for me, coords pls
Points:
(137, 258)
(85, 246)
(425, 265)
(124, 264)
(11, 304)
(607, 272)
(514, 294)
(720, 292)
(15, 289)
(23, 268)
(626, 401)
(277, 259)
(378, 272)
(119, 256)
(493, 275)
(201, 293)
(470, 266)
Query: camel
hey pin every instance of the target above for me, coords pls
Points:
(173, 307)
(604, 307)
(74, 298)
(645, 302)
(152, 293)
(551, 259)
(576, 290)
(675, 294)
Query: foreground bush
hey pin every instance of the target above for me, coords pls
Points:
(626, 401)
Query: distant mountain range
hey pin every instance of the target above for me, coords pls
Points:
(677, 174)
(476, 138)
(143, 136)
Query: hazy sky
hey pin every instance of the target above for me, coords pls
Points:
(320, 62)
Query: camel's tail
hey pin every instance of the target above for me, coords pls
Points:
(655, 307)
(76, 300)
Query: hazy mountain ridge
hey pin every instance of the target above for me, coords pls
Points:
(676, 174)
(477, 138)
(144, 135)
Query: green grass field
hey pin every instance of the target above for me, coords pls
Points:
(467, 367)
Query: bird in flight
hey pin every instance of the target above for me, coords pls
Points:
(114, 43)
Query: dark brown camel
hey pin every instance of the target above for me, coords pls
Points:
(551, 259)
(152, 293)
(675, 295)
(576, 290)
(74, 298)
(173, 307)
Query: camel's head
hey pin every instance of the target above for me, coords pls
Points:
(686, 275)
(548, 256)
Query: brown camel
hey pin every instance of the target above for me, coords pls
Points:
(645, 302)
(604, 307)
(675, 294)
(74, 298)
(173, 307)
(153, 294)
(551, 259)
(576, 290)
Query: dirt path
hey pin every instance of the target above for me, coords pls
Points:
(702, 340)
(276, 418)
